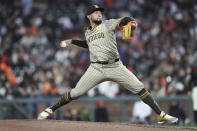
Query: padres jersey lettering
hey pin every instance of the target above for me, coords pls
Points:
(102, 41)
(96, 36)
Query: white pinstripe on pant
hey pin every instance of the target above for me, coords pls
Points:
(97, 73)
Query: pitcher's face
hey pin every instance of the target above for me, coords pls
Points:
(95, 17)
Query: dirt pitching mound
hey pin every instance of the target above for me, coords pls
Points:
(56, 125)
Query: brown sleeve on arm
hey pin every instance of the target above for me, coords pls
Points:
(80, 43)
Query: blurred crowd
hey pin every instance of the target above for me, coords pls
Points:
(163, 54)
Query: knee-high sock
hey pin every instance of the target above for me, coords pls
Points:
(65, 99)
(146, 97)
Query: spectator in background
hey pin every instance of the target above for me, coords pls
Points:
(67, 115)
(175, 87)
(109, 89)
(141, 113)
(193, 89)
(84, 114)
(177, 111)
(75, 115)
(101, 113)
(94, 92)
(27, 5)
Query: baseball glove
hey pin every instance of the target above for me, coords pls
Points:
(129, 30)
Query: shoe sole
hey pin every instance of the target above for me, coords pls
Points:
(169, 122)
(41, 118)
(44, 118)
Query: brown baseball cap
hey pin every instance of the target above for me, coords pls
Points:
(93, 8)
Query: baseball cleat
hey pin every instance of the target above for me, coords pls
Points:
(45, 114)
(165, 118)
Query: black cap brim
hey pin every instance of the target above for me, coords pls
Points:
(96, 9)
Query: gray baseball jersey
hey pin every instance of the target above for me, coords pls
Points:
(102, 41)
(102, 46)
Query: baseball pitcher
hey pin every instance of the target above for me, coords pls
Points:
(100, 39)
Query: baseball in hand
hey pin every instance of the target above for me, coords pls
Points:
(63, 44)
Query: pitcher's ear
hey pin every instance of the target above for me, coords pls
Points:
(88, 17)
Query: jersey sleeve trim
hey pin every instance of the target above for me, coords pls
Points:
(80, 43)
